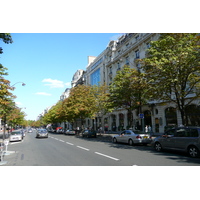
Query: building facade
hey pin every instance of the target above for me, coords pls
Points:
(103, 68)
(125, 51)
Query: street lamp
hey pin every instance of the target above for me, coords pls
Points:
(23, 84)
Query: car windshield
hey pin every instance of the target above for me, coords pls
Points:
(16, 133)
(42, 131)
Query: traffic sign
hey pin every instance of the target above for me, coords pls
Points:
(6, 142)
(141, 115)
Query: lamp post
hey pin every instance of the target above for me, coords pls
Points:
(23, 84)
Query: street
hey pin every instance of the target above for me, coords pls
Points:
(65, 150)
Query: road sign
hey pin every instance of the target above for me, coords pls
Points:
(6, 142)
(141, 115)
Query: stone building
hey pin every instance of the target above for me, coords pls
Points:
(103, 69)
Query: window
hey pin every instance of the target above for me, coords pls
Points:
(148, 45)
(123, 133)
(171, 132)
(127, 60)
(137, 38)
(128, 132)
(95, 77)
(193, 133)
(118, 66)
(181, 132)
(137, 54)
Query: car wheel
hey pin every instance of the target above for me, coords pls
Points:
(114, 140)
(130, 142)
(158, 146)
(193, 151)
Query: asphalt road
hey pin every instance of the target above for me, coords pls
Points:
(64, 150)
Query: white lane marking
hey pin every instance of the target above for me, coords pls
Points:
(69, 143)
(61, 140)
(107, 156)
(83, 148)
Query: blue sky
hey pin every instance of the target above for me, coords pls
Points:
(46, 63)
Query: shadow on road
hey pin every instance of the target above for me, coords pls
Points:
(172, 155)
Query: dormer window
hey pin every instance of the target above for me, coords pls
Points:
(137, 37)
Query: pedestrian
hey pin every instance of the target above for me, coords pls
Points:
(146, 129)
(149, 128)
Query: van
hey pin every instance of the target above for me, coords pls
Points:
(186, 139)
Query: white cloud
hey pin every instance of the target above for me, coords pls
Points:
(68, 84)
(18, 103)
(53, 83)
(43, 93)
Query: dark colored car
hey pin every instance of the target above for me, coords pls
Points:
(89, 133)
(186, 139)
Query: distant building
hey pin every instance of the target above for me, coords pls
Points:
(65, 94)
(78, 78)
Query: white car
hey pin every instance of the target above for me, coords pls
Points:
(70, 132)
(42, 133)
(131, 138)
(16, 136)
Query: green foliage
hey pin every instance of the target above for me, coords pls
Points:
(127, 89)
(173, 68)
(101, 96)
(54, 115)
(16, 116)
(6, 37)
(6, 97)
(81, 103)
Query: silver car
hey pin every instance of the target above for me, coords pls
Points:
(132, 138)
(70, 132)
(42, 133)
(16, 136)
(186, 139)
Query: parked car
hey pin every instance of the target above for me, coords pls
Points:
(89, 133)
(59, 130)
(70, 132)
(186, 139)
(16, 135)
(42, 133)
(130, 137)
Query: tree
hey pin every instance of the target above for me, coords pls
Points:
(80, 104)
(54, 115)
(101, 96)
(128, 91)
(6, 97)
(16, 116)
(6, 37)
(173, 69)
